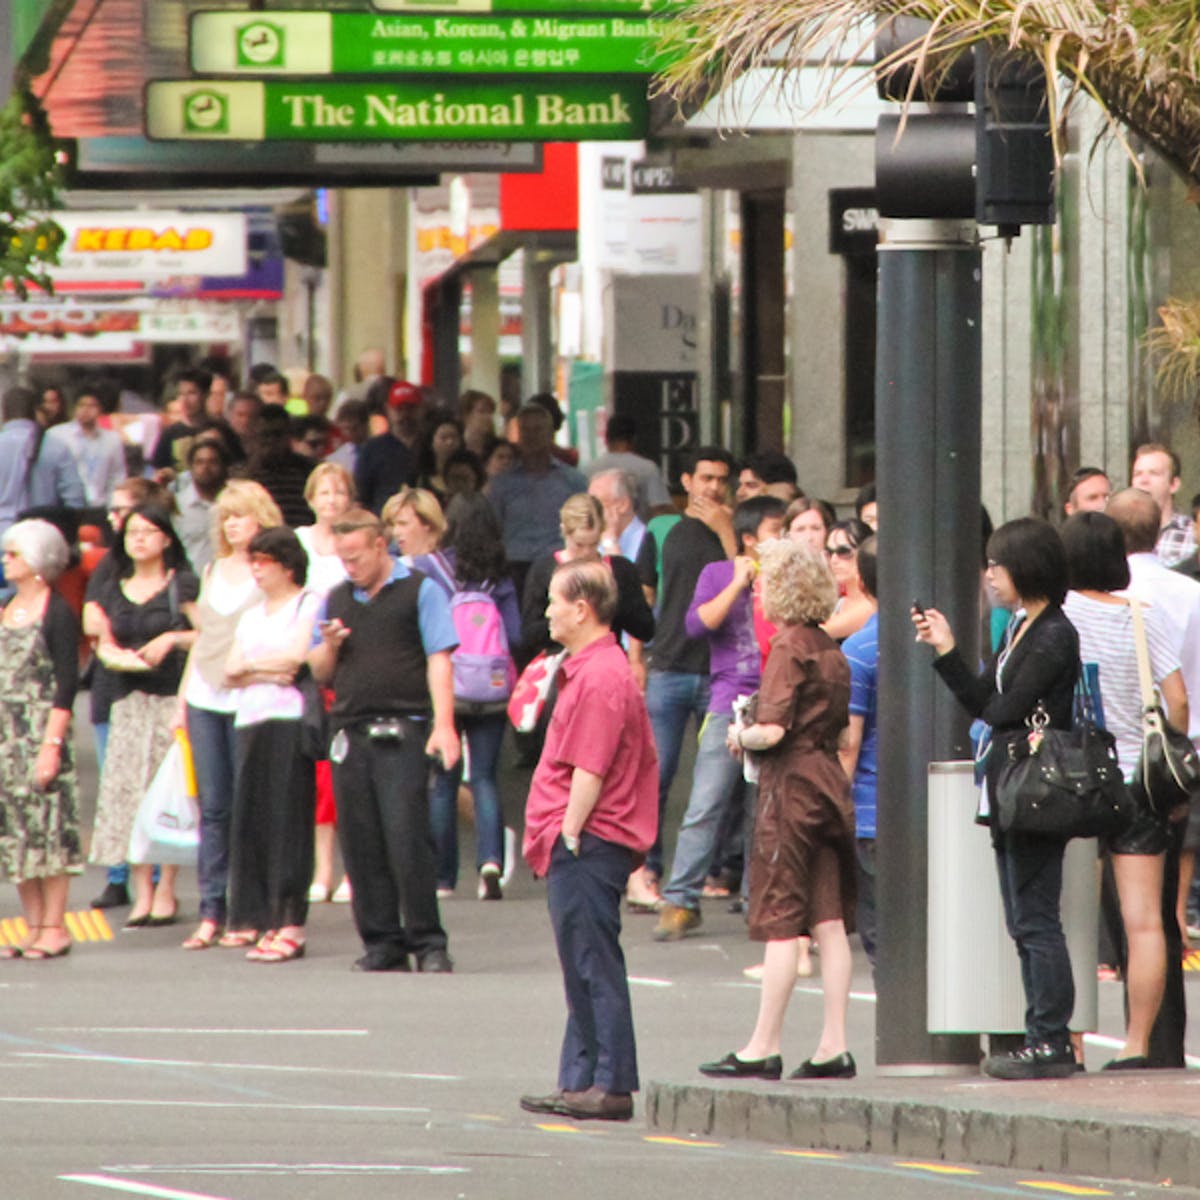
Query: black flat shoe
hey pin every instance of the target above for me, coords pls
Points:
(153, 922)
(732, 1067)
(137, 922)
(1138, 1063)
(842, 1067)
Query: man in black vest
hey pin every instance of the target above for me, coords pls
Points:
(384, 641)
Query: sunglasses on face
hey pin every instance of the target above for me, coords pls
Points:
(840, 551)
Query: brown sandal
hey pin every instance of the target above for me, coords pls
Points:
(204, 941)
(237, 939)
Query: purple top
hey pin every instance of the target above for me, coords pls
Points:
(734, 659)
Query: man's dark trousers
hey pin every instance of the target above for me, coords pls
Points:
(387, 844)
(584, 895)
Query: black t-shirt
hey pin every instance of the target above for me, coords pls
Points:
(133, 625)
(173, 443)
(105, 685)
(687, 550)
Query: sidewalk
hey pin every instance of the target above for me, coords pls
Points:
(1142, 1126)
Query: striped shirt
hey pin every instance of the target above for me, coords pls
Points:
(1106, 638)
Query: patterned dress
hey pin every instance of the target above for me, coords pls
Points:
(39, 830)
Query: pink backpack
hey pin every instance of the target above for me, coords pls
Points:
(484, 672)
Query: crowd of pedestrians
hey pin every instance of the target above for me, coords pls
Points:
(335, 600)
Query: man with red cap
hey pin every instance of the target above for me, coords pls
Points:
(386, 463)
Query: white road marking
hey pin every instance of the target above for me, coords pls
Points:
(135, 1189)
(286, 1169)
(117, 1102)
(655, 983)
(122, 1060)
(203, 1032)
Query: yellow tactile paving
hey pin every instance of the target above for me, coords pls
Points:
(674, 1141)
(84, 926)
(808, 1154)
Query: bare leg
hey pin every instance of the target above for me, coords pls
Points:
(1187, 866)
(837, 967)
(141, 875)
(779, 978)
(164, 903)
(34, 906)
(323, 870)
(55, 889)
(1139, 885)
(804, 962)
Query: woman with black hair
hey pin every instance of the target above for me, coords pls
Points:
(274, 793)
(1036, 669)
(854, 606)
(1097, 569)
(443, 437)
(143, 619)
(474, 549)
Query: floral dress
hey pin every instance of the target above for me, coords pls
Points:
(39, 830)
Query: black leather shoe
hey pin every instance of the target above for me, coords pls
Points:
(137, 922)
(842, 1067)
(435, 962)
(596, 1105)
(1041, 1061)
(1138, 1063)
(542, 1104)
(732, 1067)
(115, 895)
(374, 961)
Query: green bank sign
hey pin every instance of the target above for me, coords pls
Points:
(560, 109)
(524, 6)
(355, 43)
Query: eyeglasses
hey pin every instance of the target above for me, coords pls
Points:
(840, 551)
(10, 553)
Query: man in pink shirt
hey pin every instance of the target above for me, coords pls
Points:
(592, 810)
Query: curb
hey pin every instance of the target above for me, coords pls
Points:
(1114, 1146)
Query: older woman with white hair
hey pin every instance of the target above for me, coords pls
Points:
(802, 870)
(40, 845)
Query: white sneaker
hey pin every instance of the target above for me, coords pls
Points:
(489, 882)
(343, 894)
(510, 855)
(318, 893)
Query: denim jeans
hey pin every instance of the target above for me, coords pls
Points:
(716, 789)
(483, 736)
(213, 749)
(866, 919)
(1031, 871)
(118, 874)
(671, 698)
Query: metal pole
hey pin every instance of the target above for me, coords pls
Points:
(927, 399)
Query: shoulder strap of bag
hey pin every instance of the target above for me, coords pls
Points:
(1143, 653)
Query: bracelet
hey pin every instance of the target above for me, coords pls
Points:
(56, 741)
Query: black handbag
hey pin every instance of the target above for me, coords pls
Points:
(1168, 771)
(1063, 783)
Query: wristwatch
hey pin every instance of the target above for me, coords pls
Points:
(571, 843)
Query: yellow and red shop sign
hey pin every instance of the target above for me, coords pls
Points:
(150, 245)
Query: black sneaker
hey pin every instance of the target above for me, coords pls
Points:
(115, 895)
(1041, 1061)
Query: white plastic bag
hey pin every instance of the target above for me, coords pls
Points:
(167, 827)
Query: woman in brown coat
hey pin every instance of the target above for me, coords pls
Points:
(802, 866)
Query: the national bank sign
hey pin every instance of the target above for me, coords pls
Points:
(566, 109)
(150, 244)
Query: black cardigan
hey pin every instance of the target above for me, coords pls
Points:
(634, 615)
(1042, 667)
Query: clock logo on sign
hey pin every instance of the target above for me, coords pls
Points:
(206, 111)
(260, 44)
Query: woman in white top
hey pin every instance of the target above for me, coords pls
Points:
(206, 705)
(1098, 569)
(271, 843)
(330, 493)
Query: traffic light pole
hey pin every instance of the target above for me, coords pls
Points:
(928, 422)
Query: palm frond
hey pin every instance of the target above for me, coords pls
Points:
(1139, 60)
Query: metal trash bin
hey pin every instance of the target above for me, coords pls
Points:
(973, 974)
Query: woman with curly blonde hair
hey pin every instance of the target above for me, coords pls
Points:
(802, 869)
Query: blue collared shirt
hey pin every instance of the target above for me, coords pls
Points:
(54, 479)
(433, 612)
(528, 505)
